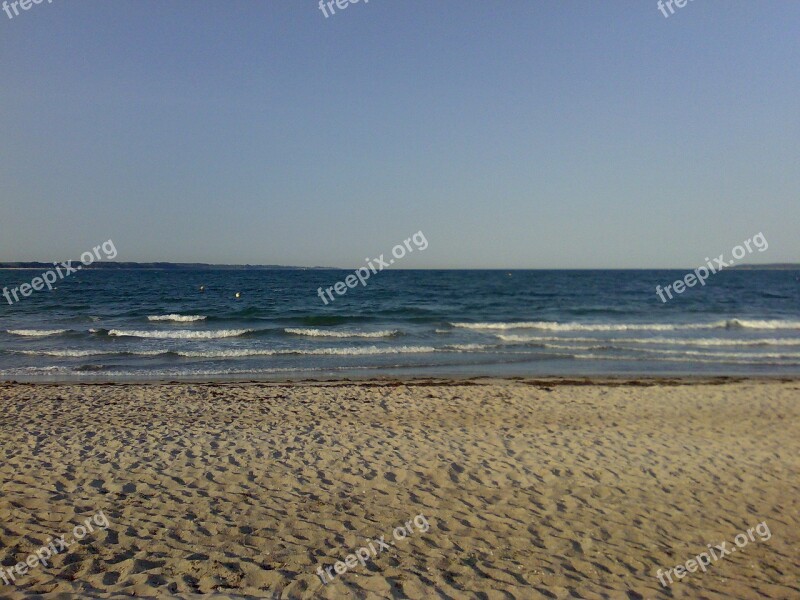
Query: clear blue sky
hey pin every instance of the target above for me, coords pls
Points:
(513, 134)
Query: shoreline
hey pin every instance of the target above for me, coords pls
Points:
(411, 381)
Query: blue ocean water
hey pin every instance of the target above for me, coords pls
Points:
(157, 325)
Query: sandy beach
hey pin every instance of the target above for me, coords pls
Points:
(528, 488)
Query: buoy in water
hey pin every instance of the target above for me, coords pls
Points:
(238, 294)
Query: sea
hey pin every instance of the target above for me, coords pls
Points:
(255, 324)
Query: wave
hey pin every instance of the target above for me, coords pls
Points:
(180, 334)
(469, 347)
(555, 326)
(353, 351)
(761, 324)
(25, 371)
(82, 353)
(726, 361)
(761, 355)
(662, 351)
(177, 318)
(654, 340)
(36, 332)
(341, 334)
(236, 352)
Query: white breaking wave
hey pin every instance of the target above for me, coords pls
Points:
(514, 337)
(177, 318)
(33, 371)
(235, 352)
(181, 334)
(553, 326)
(727, 361)
(36, 332)
(655, 340)
(783, 355)
(759, 324)
(341, 334)
(81, 353)
(661, 351)
(243, 352)
(718, 342)
(468, 347)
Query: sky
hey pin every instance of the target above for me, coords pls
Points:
(514, 134)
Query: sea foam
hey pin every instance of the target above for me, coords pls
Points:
(554, 326)
(36, 332)
(341, 334)
(655, 340)
(181, 334)
(177, 318)
(353, 351)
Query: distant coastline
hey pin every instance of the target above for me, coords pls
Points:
(170, 266)
(769, 267)
(160, 266)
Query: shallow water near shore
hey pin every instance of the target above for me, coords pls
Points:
(153, 325)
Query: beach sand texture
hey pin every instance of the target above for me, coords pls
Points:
(532, 489)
